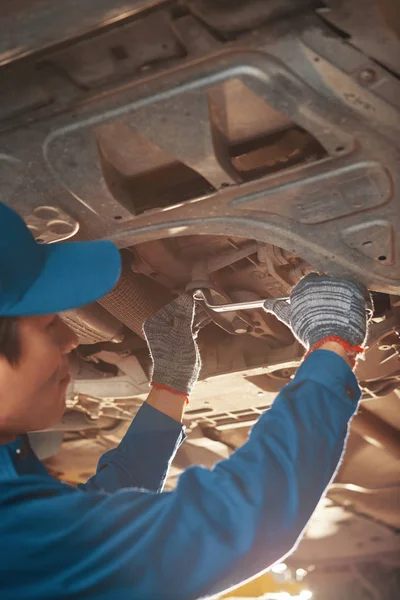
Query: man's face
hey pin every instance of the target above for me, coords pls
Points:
(32, 392)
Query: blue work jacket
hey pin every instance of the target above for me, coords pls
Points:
(119, 537)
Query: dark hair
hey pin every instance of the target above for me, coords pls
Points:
(10, 346)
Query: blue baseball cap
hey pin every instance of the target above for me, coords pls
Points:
(39, 279)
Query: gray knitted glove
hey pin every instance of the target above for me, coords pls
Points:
(171, 335)
(322, 306)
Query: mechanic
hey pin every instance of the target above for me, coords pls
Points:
(118, 535)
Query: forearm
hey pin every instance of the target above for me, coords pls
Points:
(143, 456)
(339, 350)
(169, 403)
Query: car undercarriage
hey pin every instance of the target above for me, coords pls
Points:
(231, 147)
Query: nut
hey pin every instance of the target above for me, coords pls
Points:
(367, 75)
(239, 326)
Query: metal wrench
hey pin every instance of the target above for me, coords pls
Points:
(222, 308)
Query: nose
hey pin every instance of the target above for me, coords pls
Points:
(67, 338)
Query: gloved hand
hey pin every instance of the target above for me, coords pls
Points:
(171, 336)
(322, 306)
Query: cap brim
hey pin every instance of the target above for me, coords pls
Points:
(74, 274)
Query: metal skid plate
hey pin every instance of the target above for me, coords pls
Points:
(340, 213)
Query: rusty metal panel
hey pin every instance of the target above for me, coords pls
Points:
(325, 208)
(27, 26)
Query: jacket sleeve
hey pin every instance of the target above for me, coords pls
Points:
(143, 457)
(218, 528)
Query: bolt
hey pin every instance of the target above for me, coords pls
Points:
(118, 338)
(239, 326)
(367, 75)
(385, 347)
(378, 319)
